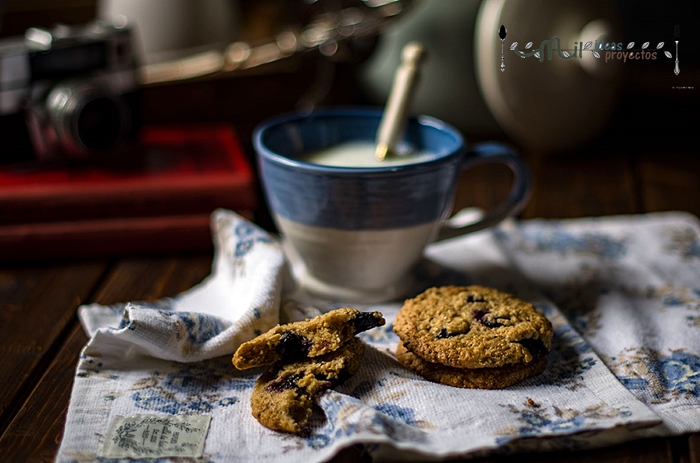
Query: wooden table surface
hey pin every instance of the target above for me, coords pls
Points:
(41, 338)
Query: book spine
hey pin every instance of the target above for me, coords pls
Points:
(60, 206)
(107, 237)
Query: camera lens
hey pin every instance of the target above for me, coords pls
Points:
(99, 124)
(88, 120)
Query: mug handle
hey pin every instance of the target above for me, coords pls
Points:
(519, 194)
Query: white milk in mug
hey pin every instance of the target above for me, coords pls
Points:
(361, 154)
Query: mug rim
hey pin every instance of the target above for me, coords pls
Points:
(353, 111)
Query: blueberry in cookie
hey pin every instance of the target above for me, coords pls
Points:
(284, 396)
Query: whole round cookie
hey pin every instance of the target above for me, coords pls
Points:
(473, 327)
(471, 378)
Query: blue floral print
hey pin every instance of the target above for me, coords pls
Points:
(191, 388)
(199, 327)
(246, 237)
(403, 414)
(537, 419)
(685, 243)
(666, 377)
(537, 238)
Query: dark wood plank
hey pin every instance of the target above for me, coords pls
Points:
(152, 278)
(35, 432)
(642, 451)
(670, 181)
(564, 186)
(36, 307)
(483, 186)
(694, 448)
(582, 185)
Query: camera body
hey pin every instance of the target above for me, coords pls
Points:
(68, 92)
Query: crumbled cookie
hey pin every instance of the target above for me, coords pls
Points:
(471, 378)
(309, 338)
(473, 327)
(283, 397)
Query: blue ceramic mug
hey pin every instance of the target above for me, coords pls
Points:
(357, 231)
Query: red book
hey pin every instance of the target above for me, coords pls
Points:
(178, 170)
(160, 202)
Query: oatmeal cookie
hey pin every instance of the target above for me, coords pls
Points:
(471, 378)
(309, 338)
(284, 396)
(473, 327)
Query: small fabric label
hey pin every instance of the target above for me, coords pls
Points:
(156, 436)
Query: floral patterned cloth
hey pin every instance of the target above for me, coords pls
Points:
(631, 287)
(623, 295)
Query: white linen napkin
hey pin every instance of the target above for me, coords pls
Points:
(631, 287)
(170, 360)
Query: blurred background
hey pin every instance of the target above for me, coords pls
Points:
(355, 66)
(241, 61)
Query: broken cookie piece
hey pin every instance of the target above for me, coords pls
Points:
(306, 339)
(284, 396)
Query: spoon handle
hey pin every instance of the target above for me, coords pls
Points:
(393, 121)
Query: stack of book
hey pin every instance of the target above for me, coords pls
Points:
(159, 200)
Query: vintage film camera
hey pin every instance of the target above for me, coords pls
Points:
(68, 92)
